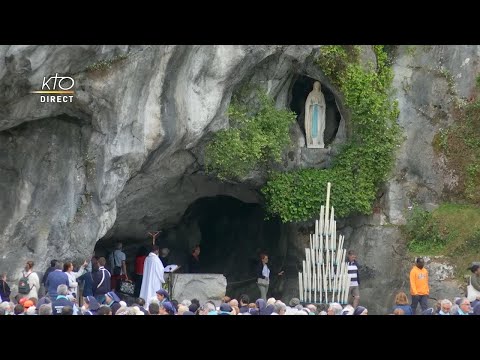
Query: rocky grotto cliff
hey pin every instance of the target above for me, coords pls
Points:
(127, 154)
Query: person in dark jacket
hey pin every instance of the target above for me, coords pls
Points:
(101, 281)
(54, 279)
(194, 260)
(244, 301)
(4, 288)
(263, 276)
(61, 299)
(401, 302)
(87, 283)
(139, 263)
(48, 271)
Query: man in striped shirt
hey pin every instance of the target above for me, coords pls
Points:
(354, 278)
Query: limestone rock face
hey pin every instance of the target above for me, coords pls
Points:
(126, 155)
(123, 150)
(430, 82)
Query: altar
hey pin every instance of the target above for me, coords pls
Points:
(203, 287)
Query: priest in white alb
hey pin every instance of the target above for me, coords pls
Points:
(152, 275)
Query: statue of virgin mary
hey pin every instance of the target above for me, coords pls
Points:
(315, 117)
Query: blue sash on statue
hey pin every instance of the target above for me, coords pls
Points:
(315, 121)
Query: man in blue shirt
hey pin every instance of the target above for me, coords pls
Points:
(54, 279)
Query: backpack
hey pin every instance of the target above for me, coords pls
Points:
(23, 287)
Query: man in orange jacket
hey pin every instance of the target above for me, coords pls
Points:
(419, 285)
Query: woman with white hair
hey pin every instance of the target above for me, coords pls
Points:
(445, 307)
(334, 309)
(32, 310)
(7, 307)
(187, 303)
(270, 306)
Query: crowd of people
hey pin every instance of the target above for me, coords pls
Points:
(98, 293)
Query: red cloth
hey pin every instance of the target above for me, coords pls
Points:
(139, 262)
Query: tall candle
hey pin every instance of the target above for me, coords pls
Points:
(308, 268)
(331, 233)
(335, 230)
(324, 278)
(300, 288)
(320, 295)
(335, 284)
(304, 279)
(334, 239)
(309, 286)
(340, 250)
(321, 244)
(307, 260)
(304, 289)
(322, 215)
(327, 259)
(319, 280)
(327, 204)
(327, 272)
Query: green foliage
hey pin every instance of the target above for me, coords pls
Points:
(472, 242)
(440, 141)
(411, 50)
(334, 59)
(450, 80)
(451, 231)
(364, 161)
(460, 143)
(422, 232)
(252, 140)
(105, 64)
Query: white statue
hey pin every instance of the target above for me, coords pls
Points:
(315, 117)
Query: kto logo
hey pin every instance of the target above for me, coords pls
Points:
(59, 85)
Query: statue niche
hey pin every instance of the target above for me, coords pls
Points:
(315, 117)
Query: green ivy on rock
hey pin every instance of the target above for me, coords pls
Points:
(367, 158)
(256, 136)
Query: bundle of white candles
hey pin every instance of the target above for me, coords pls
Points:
(324, 278)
